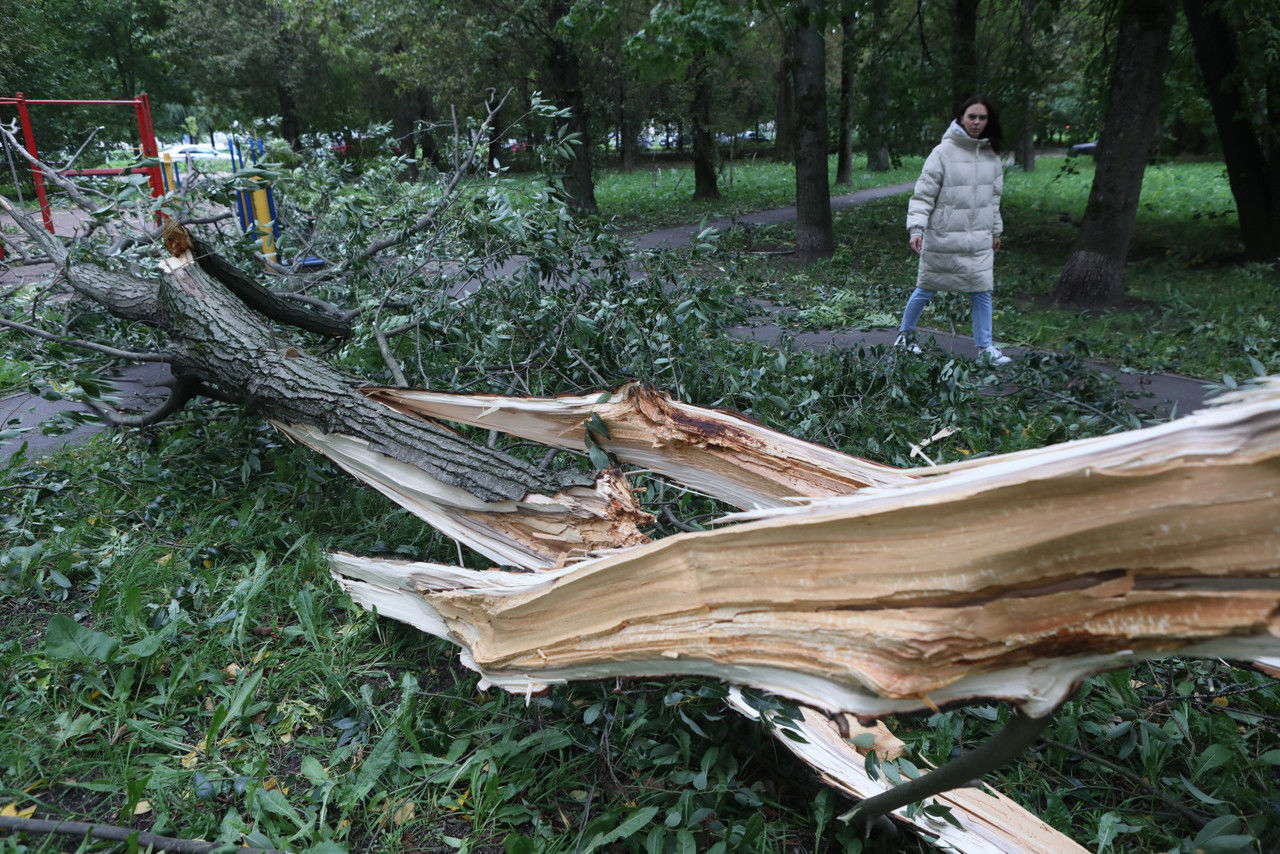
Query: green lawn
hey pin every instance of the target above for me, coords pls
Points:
(1193, 307)
(659, 196)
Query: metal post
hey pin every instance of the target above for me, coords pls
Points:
(37, 177)
(149, 149)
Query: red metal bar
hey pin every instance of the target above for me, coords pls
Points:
(146, 133)
(29, 137)
(149, 149)
(53, 101)
(142, 170)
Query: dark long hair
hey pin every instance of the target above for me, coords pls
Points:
(993, 133)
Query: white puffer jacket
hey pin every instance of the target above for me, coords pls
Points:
(956, 206)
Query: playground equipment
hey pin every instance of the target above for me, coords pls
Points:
(146, 134)
(256, 209)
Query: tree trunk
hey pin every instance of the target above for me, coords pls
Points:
(628, 129)
(814, 235)
(1026, 155)
(1093, 274)
(290, 123)
(878, 93)
(784, 139)
(704, 144)
(964, 50)
(1253, 165)
(844, 149)
(565, 77)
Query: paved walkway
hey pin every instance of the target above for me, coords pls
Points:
(141, 387)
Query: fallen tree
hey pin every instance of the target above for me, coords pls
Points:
(858, 601)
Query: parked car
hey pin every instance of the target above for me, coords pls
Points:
(1080, 148)
(194, 151)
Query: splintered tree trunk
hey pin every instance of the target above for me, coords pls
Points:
(1253, 165)
(815, 237)
(1093, 274)
(704, 144)
(844, 149)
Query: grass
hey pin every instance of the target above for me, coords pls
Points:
(1193, 308)
(177, 659)
(663, 195)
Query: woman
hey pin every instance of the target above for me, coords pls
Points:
(954, 222)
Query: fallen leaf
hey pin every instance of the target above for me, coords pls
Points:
(403, 813)
(142, 808)
(12, 811)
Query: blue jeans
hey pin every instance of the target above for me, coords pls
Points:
(980, 303)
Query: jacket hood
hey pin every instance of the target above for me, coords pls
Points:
(960, 136)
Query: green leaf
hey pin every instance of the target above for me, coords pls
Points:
(629, 827)
(516, 843)
(313, 770)
(244, 690)
(153, 642)
(596, 425)
(380, 759)
(864, 740)
(273, 802)
(67, 639)
(1200, 795)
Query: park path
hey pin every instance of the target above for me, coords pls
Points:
(142, 387)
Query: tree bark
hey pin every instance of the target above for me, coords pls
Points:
(844, 148)
(784, 139)
(290, 123)
(964, 50)
(815, 237)
(878, 93)
(565, 78)
(1093, 274)
(628, 128)
(704, 144)
(1253, 164)
(1026, 153)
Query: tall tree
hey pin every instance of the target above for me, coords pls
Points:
(564, 79)
(1245, 97)
(1094, 271)
(844, 146)
(875, 131)
(964, 50)
(784, 120)
(814, 234)
(696, 36)
(1026, 144)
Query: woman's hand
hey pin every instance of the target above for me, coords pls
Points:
(917, 240)
(995, 243)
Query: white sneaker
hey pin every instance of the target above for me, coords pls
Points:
(992, 354)
(902, 342)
